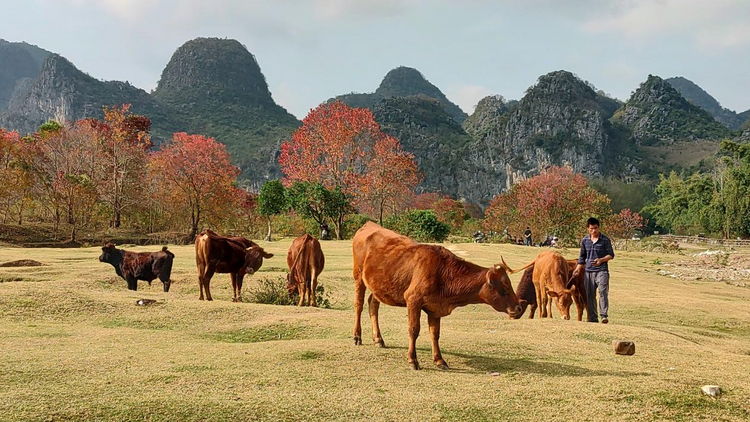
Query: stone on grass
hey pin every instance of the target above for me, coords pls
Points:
(623, 347)
(711, 390)
(144, 302)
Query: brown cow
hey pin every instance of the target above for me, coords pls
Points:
(564, 288)
(306, 261)
(134, 266)
(218, 254)
(401, 272)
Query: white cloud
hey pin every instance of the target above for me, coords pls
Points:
(711, 24)
(467, 96)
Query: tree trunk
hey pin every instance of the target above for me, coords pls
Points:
(339, 224)
(268, 236)
(382, 205)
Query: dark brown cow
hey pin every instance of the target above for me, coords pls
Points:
(527, 291)
(134, 266)
(218, 254)
(401, 272)
(306, 261)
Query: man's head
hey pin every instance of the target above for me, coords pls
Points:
(592, 224)
(528, 228)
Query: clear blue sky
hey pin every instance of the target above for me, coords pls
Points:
(312, 50)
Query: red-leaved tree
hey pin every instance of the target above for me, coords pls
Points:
(392, 174)
(624, 224)
(556, 202)
(449, 211)
(195, 174)
(341, 146)
(123, 142)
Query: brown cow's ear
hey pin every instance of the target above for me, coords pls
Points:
(552, 293)
(267, 255)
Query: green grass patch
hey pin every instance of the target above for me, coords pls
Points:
(274, 332)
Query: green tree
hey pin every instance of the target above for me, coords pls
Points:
(271, 201)
(314, 201)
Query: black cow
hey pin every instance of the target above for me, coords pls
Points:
(134, 266)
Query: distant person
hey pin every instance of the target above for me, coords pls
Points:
(596, 251)
(325, 233)
(527, 237)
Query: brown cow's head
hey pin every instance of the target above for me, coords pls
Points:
(254, 258)
(291, 284)
(498, 292)
(563, 300)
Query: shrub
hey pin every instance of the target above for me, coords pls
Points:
(272, 291)
(420, 225)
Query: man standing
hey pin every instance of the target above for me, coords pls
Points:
(596, 251)
(527, 236)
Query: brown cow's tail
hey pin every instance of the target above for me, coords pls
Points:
(512, 271)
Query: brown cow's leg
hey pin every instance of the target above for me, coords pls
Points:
(414, 309)
(207, 282)
(549, 306)
(373, 306)
(540, 301)
(359, 299)
(314, 287)
(233, 276)
(201, 269)
(437, 357)
(302, 289)
(579, 305)
(533, 310)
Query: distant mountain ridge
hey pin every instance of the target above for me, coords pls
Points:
(19, 62)
(404, 82)
(696, 95)
(657, 114)
(217, 89)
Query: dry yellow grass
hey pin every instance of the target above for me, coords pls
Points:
(73, 345)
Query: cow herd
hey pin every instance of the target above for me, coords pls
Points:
(395, 269)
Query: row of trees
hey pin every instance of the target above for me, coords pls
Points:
(93, 170)
(557, 202)
(710, 202)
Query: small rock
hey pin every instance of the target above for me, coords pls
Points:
(623, 347)
(144, 302)
(711, 390)
(495, 374)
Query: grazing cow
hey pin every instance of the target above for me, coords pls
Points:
(134, 266)
(527, 292)
(218, 254)
(552, 277)
(401, 272)
(306, 261)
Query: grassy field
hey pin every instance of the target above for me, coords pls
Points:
(73, 345)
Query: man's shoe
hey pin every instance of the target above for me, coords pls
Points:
(605, 320)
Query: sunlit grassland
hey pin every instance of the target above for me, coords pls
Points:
(73, 345)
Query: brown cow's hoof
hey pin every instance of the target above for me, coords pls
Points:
(443, 366)
(357, 341)
(414, 365)
(380, 344)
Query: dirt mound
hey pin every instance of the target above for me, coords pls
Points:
(22, 263)
(718, 265)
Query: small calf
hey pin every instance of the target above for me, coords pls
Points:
(134, 266)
